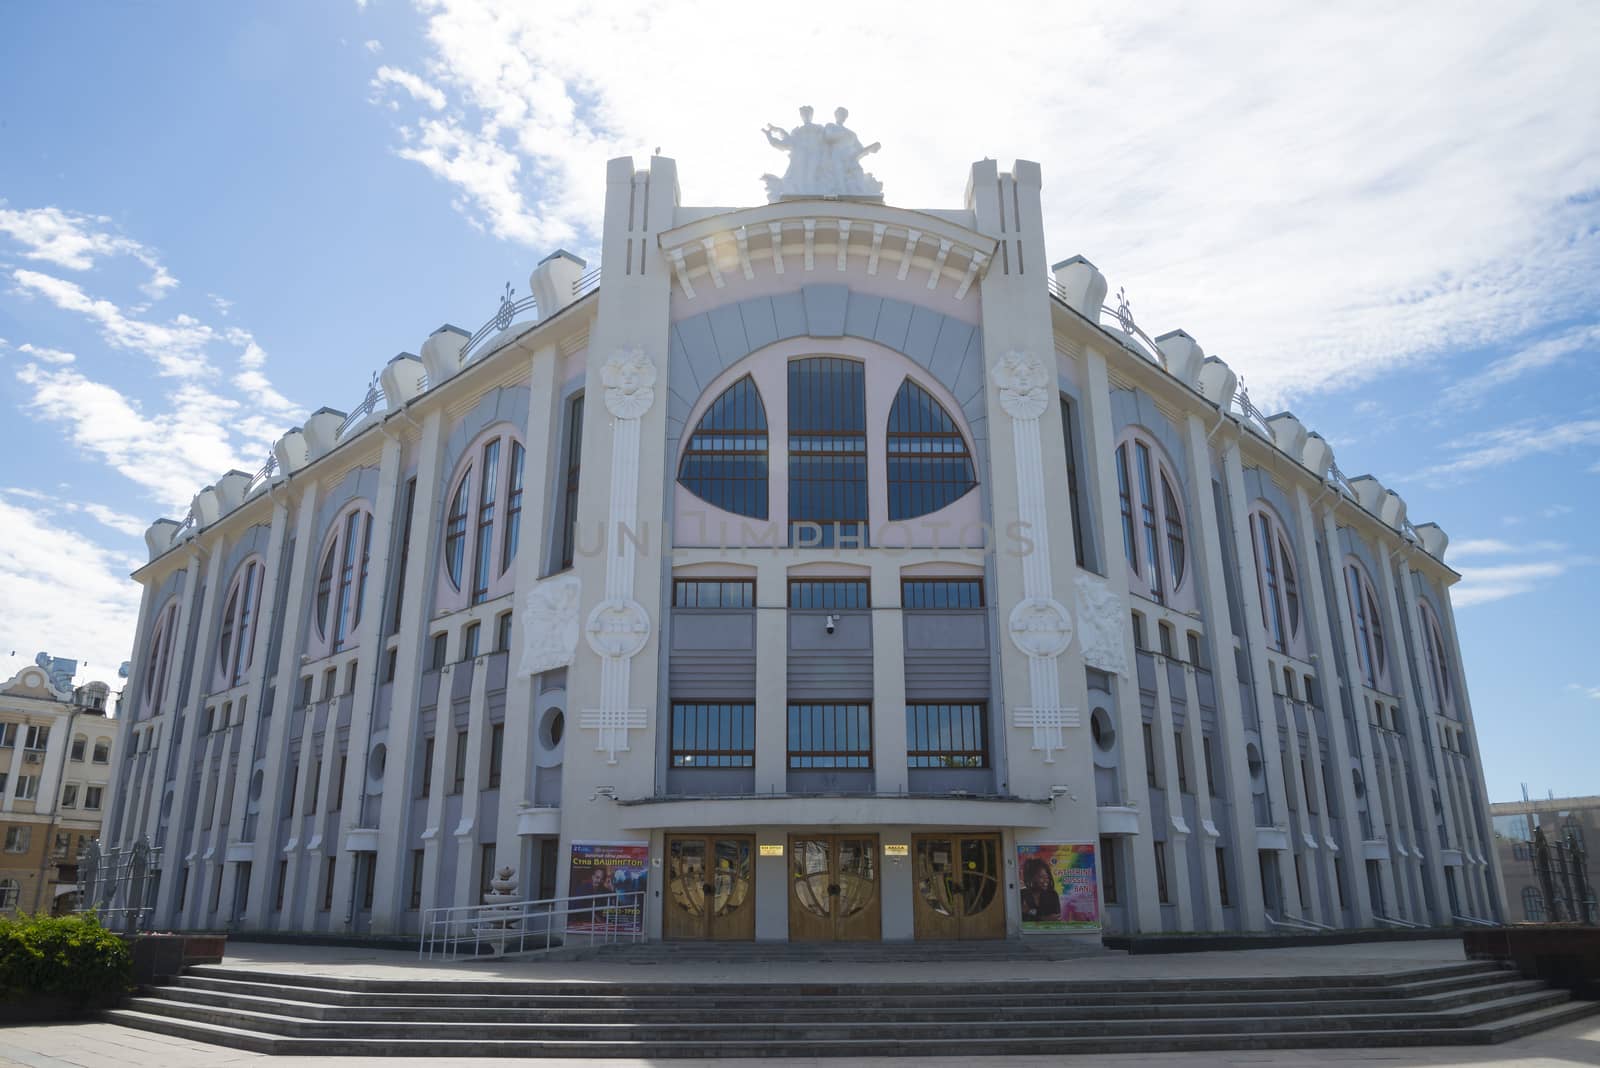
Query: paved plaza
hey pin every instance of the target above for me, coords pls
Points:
(101, 1045)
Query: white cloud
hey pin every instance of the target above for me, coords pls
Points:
(1541, 354)
(1275, 202)
(39, 352)
(177, 346)
(171, 453)
(64, 593)
(75, 241)
(120, 522)
(1507, 444)
(374, 47)
(1480, 585)
(1592, 692)
(420, 90)
(1494, 546)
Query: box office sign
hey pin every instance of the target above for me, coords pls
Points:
(1057, 886)
(608, 868)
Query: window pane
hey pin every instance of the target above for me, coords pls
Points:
(713, 735)
(834, 595)
(947, 736)
(830, 735)
(725, 464)
(827, 448)
(941, 593)
(713, 593)
(928, 462)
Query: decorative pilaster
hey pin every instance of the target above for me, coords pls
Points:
(1040, 626)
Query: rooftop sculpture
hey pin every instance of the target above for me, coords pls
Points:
(824, 161)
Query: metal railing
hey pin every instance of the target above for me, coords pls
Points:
(600, 919)
(511, 309)
(1296, 923)
(588, 282)
(1392, 922)
(368, 405)
(1472, 921)
(119, 884)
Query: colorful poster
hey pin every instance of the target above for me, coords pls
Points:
(1058, 887)
(608, 868)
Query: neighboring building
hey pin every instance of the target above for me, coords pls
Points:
(1544, 857)
(695, 567)
(56, 751)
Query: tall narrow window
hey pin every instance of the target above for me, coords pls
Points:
(725, 463)
(1367, 624)
(405, 554)
(1275, 578)
(569, 500)
(1438, 659)
(478, 545)
(1152, 518)
(508, 551)
(483, 544)
(929, 465)
(1073, 500)
(344, 565)
(160, 656)
(235, 650)
(827, 448)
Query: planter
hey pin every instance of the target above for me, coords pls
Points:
(1565, 955)
(158, 958)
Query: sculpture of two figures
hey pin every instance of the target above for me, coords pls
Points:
(823, 160)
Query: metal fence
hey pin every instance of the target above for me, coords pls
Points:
(519, 926)
(119, 884)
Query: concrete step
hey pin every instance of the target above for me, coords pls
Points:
(782, 1030)
(941, 1008)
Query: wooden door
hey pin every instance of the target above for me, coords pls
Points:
(957, 882)
(833, 889)
(710, 888)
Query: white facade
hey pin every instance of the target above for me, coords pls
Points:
(1250, 734)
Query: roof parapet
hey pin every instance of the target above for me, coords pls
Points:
(1081, 286)
(158, 536)
(403, 378)
(1184, 356)
(321, 431)
(1317, 454)
(441, 353)
(1217, 382)
(1434, 539)
(554, 282)
(1288, 433)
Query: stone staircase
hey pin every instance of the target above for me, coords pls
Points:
(300, 1014)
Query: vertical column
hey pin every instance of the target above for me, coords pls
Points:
(888, 681)
(1303, 825)
(444, 744)
(250, 749)
(1324, 624)
(369, 639)
(1255, 646)
(197, 602)
(1206, 535)
(1433, 865)
(516, 787)
(1493, 878)
(469, 831)
(1320, 827)
(772, 675)
(266, 853)
(1178, 829)
(392, 894)
(1206, 834)
(122, 794)
(1100, 435)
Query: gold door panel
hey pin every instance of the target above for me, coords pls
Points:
(833, 889)
(957, 882)
(710, 888)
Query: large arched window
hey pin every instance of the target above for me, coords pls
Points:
(1367, 621)
(159, 658)
(828, 447)
(928, 462)
(1438, 659)
(235, 649)
(1276, 581)
(1152, 519)
(725, 464)
(491, 473)
(342, 578)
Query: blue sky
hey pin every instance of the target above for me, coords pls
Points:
(217, 218)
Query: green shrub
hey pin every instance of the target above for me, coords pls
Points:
(64, 956)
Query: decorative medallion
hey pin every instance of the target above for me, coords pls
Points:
(1023, 384)
(618, 628)
(630, 380)
(1041, 627)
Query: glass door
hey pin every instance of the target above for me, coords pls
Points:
(957, 887)
(710, 888)
(833, 889)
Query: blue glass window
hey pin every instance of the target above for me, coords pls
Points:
(726, 462)
(827, 448)
(929, 465)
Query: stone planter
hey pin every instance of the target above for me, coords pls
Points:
(160, 957)
(1565, 955)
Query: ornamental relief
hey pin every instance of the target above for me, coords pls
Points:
(550, 624)
(1041, 626)
(1023, 384)
(618, 628)
(629, 378)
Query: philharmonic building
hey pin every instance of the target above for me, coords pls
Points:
(826, 570)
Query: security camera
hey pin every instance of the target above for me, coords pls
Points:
(832, 621)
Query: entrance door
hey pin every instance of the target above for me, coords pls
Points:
(833, 888)
(958, 887)
(710, 888)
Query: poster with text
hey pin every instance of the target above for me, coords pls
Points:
(607, 868)
(1057, 887)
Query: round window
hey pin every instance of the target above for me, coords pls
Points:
(1100, 728)
(256, 782)
(1360, 784)
(551, 728)
(377, 761)
(1253, 756)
